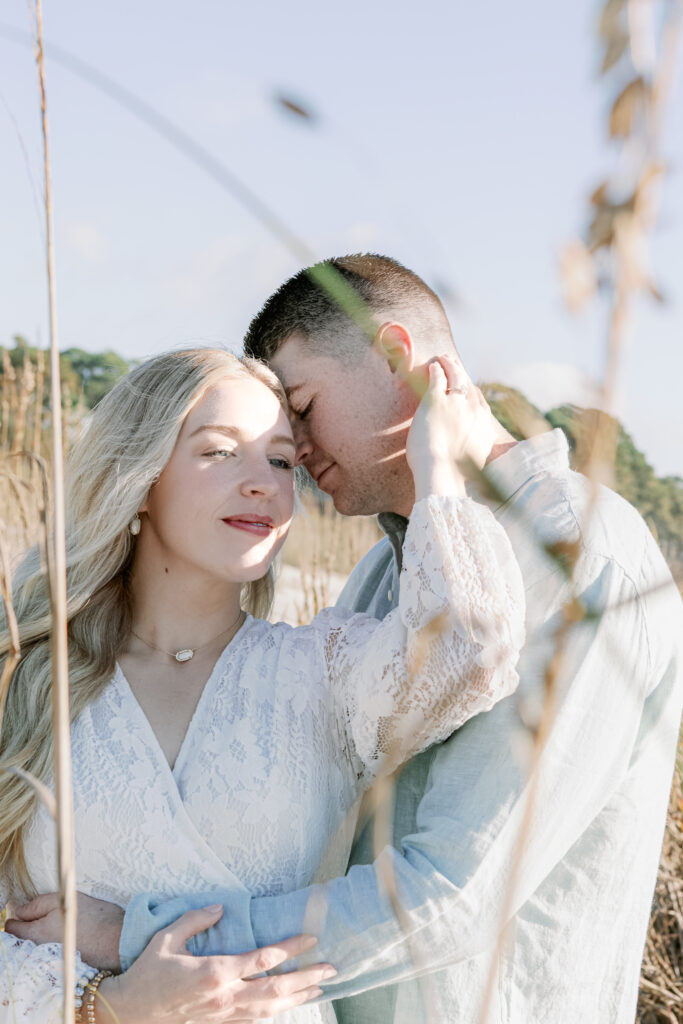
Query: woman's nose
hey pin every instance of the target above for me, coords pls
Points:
(260, 480)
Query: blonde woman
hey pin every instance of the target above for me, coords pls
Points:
(212, 749)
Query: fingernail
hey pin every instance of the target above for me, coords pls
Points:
(214, 908)
(308, 941)
(329, 972)
(313, 993)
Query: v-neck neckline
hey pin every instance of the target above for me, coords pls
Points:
(204, 696)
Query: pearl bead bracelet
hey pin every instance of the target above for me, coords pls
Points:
(86, 993)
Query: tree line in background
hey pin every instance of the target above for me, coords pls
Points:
(88, 376)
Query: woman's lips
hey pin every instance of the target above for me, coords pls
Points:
(260, 527)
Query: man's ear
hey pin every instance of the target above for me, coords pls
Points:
(393, 343)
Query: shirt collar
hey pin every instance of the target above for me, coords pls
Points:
(546, 452)
(395, 526)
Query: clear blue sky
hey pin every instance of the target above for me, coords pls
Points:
(462, 138)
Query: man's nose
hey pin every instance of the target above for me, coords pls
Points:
(304, 447)
(304, 450)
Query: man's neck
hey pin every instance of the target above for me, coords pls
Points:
(502, 443)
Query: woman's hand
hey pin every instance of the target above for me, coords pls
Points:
(451, 434)
(167, 985)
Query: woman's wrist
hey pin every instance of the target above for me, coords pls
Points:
(110, 1004)
(442, 479)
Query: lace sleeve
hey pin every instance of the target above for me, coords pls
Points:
(447, 653)
(31, 980)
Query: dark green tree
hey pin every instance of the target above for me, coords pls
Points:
(86, 376)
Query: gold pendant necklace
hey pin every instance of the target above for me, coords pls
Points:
(188, 653)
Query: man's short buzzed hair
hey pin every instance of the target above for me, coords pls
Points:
(388, 289)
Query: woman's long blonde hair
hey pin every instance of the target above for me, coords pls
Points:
(128, 442)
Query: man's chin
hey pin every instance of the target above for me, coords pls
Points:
(352, 505)
(347, 500)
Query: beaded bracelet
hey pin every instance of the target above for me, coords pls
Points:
(92, 988)
(87, 976)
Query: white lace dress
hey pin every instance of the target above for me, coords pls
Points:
(292, 725)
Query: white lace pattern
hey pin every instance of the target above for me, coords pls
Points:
(292, 725)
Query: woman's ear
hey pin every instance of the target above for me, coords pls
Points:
(145, 504)
(393, 343)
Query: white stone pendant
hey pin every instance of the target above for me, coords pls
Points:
(185, 655)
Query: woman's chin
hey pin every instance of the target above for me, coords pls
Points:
(254, 568)
(255, 571)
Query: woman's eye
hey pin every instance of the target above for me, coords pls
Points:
(218, 452)
(281, 463)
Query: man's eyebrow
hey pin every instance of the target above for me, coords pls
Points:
(221, 428)
(295, 387)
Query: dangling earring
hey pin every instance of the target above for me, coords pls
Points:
(134, 525)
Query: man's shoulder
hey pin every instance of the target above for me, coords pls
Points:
(369, 579)
(556, 507)
(379, 555)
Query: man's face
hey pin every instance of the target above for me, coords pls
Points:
(350, 424)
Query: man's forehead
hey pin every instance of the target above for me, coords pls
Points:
(297, 364)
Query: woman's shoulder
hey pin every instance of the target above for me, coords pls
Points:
(278, 633)
(304, 647)
(277, 662)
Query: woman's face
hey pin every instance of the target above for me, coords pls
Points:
(224, 502)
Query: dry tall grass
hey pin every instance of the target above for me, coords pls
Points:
(661, 980)
(54, 538)
(325, 547)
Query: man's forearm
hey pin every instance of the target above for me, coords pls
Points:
(352, 916)
(146, 915)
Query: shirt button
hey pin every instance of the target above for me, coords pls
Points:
(390, 595)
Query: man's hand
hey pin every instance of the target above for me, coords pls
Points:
(99, 927)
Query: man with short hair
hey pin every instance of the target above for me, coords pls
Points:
(525, 848)
(354, 398)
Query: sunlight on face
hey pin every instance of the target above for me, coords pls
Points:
(224, 502)
(350, 425)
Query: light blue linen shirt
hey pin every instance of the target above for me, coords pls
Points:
(576, 906)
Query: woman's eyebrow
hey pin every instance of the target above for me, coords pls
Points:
(235, 433)
(283, 439)
(218, 427)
